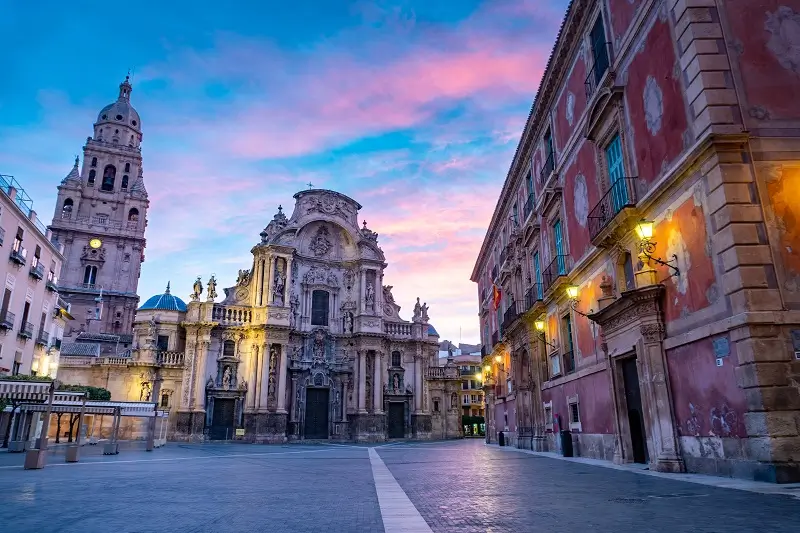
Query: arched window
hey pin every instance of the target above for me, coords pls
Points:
(124, 182)
(127, 167)
(228, 349)
(90, 275)
(94, 161)
(92, 174)
(319, 308)
(109, 173)
(66, 211)
(133, 215)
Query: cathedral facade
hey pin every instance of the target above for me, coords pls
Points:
(309, 343)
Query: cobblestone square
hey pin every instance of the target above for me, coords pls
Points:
(461, 486)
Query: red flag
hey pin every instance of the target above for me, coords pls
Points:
(496, 294)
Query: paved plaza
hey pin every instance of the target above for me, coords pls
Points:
(455, 486)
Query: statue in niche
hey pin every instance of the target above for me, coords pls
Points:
(197, 289)
(152, 328)
(454, 401)
(348, 322)
(144, 394)
(318, 349)
(271, 386)
(280, 281)
(370, 296)
(212, 288)
(396, 382)
(294, 308)
(320, 245)
(226, 378)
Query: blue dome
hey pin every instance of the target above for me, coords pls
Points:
(432, 330)
(164, 302)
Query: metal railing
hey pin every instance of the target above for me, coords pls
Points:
(510, 315)
(534, 294)
(495, 338)
(602, 61)
(43, 338)
(26, 330)
(503, 255)
(495, 272)
(620, 195)
(18, 256)
(527, 209)
(37, 271)
(558, 267)
(7, 320)
(22, 199)
(52, 282)
(547, 169)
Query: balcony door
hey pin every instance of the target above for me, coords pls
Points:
(616, 174)
(558, 240)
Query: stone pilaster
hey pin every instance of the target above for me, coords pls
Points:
(283, 375)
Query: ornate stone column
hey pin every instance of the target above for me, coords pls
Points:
(377, 386)
(262, 373)
(199, 398)
(418, 384)
(362, 382)
(362, 291)
(282, 377)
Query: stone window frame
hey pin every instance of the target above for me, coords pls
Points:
(574, 426)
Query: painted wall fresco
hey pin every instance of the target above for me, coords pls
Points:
(783, 185)
(572, 102)
(581, 193)
(655, 103)
(594, 402)
(622, 14)
(706, 398)
(765, 42)
(683, 232)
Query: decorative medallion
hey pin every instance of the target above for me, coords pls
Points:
(677, 246)
(321, 245)
(242, 294)
(581, 200)
(653, 105)
(784, 41)
(570, 110)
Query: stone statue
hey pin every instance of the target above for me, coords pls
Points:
(417, 312)
(243, 278)
(144, 394)
(280, 283)
(370, 296)
(197, 289)
(348, 322)
(294, 307)
(425, 312)
(396, 382)
(226, 378)
(318, 350)
(151, 328)
(212, 288)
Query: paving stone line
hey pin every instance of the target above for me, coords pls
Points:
(399, 514)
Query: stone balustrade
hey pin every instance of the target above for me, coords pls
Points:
(231, 314)
(71, 360)
(443, 372)
(398, 329)
(170, 358)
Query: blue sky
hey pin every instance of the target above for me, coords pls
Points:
(412, 108)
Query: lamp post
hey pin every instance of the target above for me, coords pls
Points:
(646, 275)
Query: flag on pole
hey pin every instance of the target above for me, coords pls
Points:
(496, 294)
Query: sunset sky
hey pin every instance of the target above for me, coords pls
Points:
(413, 109)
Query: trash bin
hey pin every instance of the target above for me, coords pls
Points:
(501, 439)
(566, 443)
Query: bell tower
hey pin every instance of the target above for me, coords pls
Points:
(100, 217)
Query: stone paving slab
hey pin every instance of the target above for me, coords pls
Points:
(468, 487)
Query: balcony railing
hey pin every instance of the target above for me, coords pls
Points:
(43, 338)
(620, 195)
(557, 268)
(227, 314)
(503, 255)
(26, 330)
(18, 256)
(534, 294)
(169, 358)
(398, 329)
(547, 169)
(510, 316)
(602, 60)
(495, 339)
(52, 282)
(7, 320)
(527, 209)
(569, 362)
(37, 271)
(494, 272)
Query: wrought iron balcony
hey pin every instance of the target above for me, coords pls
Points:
(510, 316)
(26, 330)
(534, 294)
(18, 256)
(495, 339)
(547, 169)
(37, 271)
(569, 362)
(494, 273)
(527, 209)
(503, 255)
(602, 60)
(7, 320)
(558, 267)
(43, 338)
(52, 283)
(620, 195)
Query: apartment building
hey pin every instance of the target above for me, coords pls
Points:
(32, 317)
(639, 282)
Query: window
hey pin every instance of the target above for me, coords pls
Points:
(42, 324)
(66, 211)
(537, 275)
(90, 275)
(94, 162)
(25, 313)
(616, 174)
(37, 255)
(15, 368)
(127, 167)
(465, 400)
(17, 247)
(464, 385)
(574, 413)
(92, 175)
(228, 349)
(165, 400)
(569, 355)
(6, 303)
(396, 360)
(515, 212)
(319, 308)
(109, 174)
(558, 240)
(124, 182)
(549, 157)
(436, 406)
(627, 267)
(599, 49)
(133, 215)
(162, 344)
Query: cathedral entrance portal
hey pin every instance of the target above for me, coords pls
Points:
(222, 419)
(316, 419)
(396, 420)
